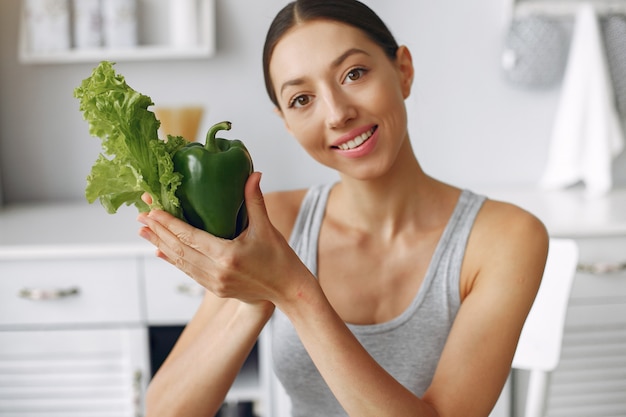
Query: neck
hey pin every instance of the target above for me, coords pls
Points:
(404, 199)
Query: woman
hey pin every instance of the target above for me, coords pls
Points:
(404, 296)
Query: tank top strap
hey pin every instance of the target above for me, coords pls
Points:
(306, 230)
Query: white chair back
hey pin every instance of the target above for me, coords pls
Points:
(539, 347)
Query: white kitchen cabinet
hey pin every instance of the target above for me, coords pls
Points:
(591, 377)
(69, 292)
(172, 297)
(80, 295)
(86, 372)
(154, 38)
(72, 338)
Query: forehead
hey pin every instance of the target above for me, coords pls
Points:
(318, 42)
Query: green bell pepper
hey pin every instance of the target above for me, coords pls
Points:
(213, 178)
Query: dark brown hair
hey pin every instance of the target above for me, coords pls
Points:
(350, 12)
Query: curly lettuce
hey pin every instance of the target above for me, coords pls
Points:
(133, 160)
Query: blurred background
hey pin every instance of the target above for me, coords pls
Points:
(505, 91)
(469, 124)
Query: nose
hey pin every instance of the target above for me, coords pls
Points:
(339, 108)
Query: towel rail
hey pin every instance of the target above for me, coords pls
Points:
(565, 8)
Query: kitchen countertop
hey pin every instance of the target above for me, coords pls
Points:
(69, 229)
(80, 229)
(569, 213)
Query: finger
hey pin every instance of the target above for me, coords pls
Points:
(166, 233)
(154, 233)
(255, 203)
(146, 233)
(147, 198)
(182, 244)
(182, 231)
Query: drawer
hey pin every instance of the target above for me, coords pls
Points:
(602, 269)
(64, 372)
(172, 297)
(95, 291)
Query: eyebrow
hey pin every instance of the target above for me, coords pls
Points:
(337, 62)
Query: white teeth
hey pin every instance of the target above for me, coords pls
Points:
(357, 141)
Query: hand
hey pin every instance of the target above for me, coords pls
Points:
(257, 265)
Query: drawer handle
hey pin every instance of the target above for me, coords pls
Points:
(602, 268)
(137, 392)
(190, 290)
(38, 294)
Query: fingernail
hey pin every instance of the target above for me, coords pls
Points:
(144, 233)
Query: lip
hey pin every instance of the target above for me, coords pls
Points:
(363, 149)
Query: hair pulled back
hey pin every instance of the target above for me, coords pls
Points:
(350, 12)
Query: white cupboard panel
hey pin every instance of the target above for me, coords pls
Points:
(591, 377)
(69, 292)
(85, 373)
(603, 270)
(171, 296)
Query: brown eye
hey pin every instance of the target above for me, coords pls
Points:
(300, 101)
(355, 74)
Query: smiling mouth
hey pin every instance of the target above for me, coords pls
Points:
(357, 141)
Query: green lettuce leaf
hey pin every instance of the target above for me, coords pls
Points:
(133, 160)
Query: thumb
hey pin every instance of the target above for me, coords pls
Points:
(255, 203)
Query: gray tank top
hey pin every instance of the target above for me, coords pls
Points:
(408, 346)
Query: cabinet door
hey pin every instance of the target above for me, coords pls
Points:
(172, 297)
(67, 373)
(590, 379)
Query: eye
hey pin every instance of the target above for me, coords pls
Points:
(299, 101)
(355, 74)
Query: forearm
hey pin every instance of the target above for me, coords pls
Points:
(358, 382)
(196, 380)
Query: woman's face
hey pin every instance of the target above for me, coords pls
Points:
(341, 97)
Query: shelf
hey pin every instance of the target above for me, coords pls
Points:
(153, 44)
(139, 53)
(561, 8)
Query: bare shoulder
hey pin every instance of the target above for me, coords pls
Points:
(507, 241)
(283, 207)
(499, 217)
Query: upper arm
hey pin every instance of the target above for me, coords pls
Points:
(503, 267)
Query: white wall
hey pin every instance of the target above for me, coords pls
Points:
(468, 125)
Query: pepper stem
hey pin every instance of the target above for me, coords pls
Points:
(211, 143)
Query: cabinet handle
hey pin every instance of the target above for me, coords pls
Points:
(602, 268)
(190, 290)
(38, 294)
(137, 392)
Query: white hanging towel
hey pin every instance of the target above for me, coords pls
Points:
(587, 133)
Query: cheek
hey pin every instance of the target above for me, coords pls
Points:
(388, 102)
(388, 95)
(305, 132)
(304, 123)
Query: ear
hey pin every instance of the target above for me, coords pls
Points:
(280, 114)
(404, 63)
